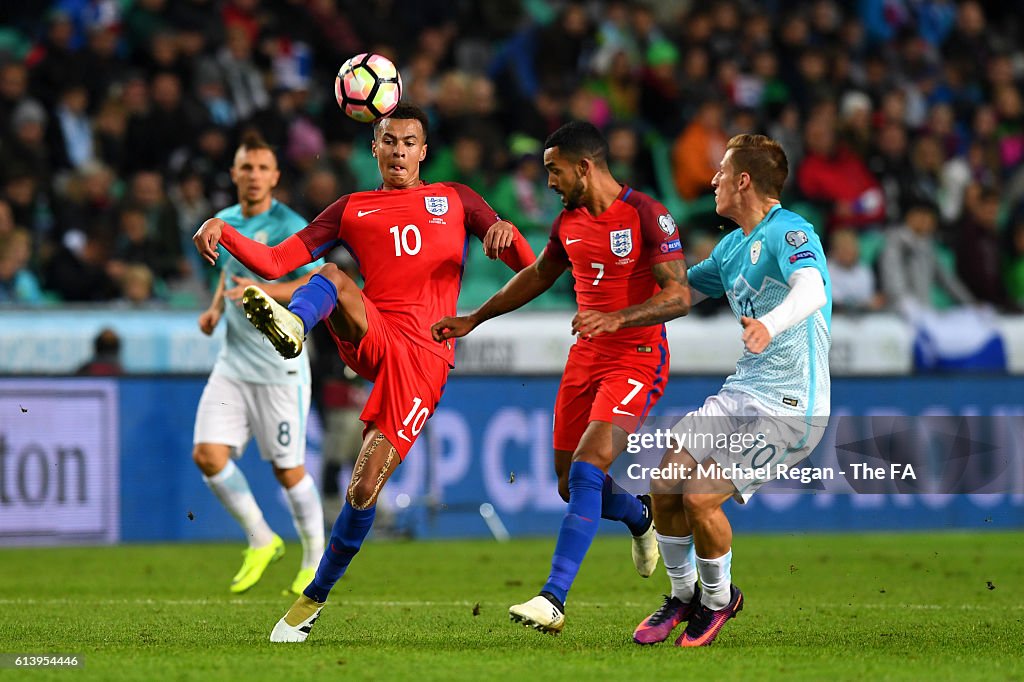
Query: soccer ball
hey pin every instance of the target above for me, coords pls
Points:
(368, 87)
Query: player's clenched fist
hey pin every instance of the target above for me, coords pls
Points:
(208, 320)
(498, 238)
(755, 335)
(452, 327)
(591, 323)
(207, 238)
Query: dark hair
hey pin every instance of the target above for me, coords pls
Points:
(580, 140)
(405, 112)
(107, 342)
(763, 159)
(921, 204)
(252, 140)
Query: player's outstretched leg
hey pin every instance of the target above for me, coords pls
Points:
(314, 301)
(307, 515)
(635, 512)
(660, 624)
(229, 484)
(281, 327)
(679, 557)
(374, 466)
(546, 612)
(706, 623)
(720, 600)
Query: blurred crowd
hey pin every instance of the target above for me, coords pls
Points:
(903, 122)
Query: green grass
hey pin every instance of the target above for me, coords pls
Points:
(842, 607)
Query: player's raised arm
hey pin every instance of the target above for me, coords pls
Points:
(269, 262)
(528, 284)
(500, 237)
(672, 301)
(272, 262)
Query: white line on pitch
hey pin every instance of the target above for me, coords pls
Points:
(340, 603)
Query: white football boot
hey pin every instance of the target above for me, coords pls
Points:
(645, 547)
(540, 613)
(298, 622)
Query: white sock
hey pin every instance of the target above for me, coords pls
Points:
(715, 580)
(679, 558)
(308, 515)
(231, 488)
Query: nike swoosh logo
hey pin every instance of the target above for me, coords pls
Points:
(401, 434)
(616, 410)
(360, 214)
(572, 241)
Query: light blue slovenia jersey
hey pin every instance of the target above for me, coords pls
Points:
(791, 375)
(246, 355)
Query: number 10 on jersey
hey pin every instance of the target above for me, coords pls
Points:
(407, 240)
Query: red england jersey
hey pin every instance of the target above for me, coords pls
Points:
(410, 246)
(611, 257)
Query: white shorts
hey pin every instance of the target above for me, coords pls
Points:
(741, 434)
(231, 412)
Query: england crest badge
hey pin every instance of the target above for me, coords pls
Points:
(436, 205)
(622, 242)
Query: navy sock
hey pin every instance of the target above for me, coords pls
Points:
(578, 527)
(619, 505)
(314, 301)
(350, 529)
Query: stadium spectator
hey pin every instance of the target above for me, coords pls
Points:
(13, 89)
(146, 193)
(135, 246)
(910, 265)
(74, 126)
(106, 356)
(102, 66)
(661, 91)
(30, 145)
(888, 162)
(18, 284)
(6, 219)
(523, 196)
(627, 159)
(697, 150)
(166, 126)
(979, 249)
(78, 270)
(53, 60)
(136, 282)
(1015, 268)
(175, 84)
(835, 176)
(853, 282)
(700, 248)
(245, 85)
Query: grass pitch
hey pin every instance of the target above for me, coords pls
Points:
(868, 607)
